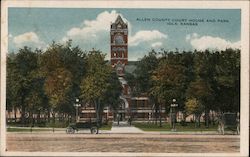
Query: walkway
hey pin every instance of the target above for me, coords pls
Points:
(124, 127)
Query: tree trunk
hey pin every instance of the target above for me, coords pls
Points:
(39, 117)
(156, 113)
(160, 116)
(54, 120)
(48, 115)
(97, 111)
(199, 121)
(213, 120)
(184, 117)
(206, 118)
(15, 114)
(23, 115)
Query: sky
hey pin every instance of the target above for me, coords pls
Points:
(168, 29)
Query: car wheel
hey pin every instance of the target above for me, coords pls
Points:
(94, 130)
(70, 130)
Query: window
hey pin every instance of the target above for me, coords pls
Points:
(119, 39)
(119, 26)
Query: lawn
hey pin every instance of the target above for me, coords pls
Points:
(106, 126)
(27, 129)
(180, 128)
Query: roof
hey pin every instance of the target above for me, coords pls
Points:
(130, 68)
(119, 19)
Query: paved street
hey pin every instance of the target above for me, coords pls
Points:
(106, 142)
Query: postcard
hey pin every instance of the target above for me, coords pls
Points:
(124, 78)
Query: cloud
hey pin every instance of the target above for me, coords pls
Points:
(95, 34)
(189, 36)
(145, 36)
(30, 39)
(156, 44)
(91, 29)
(209, 42)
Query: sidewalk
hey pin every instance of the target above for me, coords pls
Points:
(124, 127)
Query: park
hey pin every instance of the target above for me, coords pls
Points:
(167, 98)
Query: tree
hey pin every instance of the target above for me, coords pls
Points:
(111, 97)
(143, 82)
(20, 69)
(12, 101)
(227, 87)
(167, 83)
(144, 70)
(95, 84)
(204, 77)
(63, 68)
(57, 85)
(193, 106)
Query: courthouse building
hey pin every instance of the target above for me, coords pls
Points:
(135, 108)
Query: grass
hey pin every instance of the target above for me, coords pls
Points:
(106, 126)
(27, 129)
(166, 127)
(50, 124)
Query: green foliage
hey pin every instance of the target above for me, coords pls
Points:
(213, 78)
(167, 81)
(22, 70)
(143, 72)
(193, 106)
(63, 67)
(200, 90)
(227, 79)
(38, 82)
(113, 92)
(57, 85)
(101, 86)
(41, 82)
(95, 84)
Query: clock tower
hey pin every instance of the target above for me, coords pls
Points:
(119, 45)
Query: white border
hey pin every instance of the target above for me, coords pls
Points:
(243, 5)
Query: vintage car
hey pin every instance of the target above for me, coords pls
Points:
(75, 127)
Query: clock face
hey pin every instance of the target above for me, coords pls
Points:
(119, 39)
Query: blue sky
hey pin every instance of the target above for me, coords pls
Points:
(89, 28)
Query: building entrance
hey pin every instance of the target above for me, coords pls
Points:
(120, 117)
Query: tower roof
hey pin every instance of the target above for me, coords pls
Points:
(119, 19)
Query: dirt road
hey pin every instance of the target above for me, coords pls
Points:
(153, 143)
